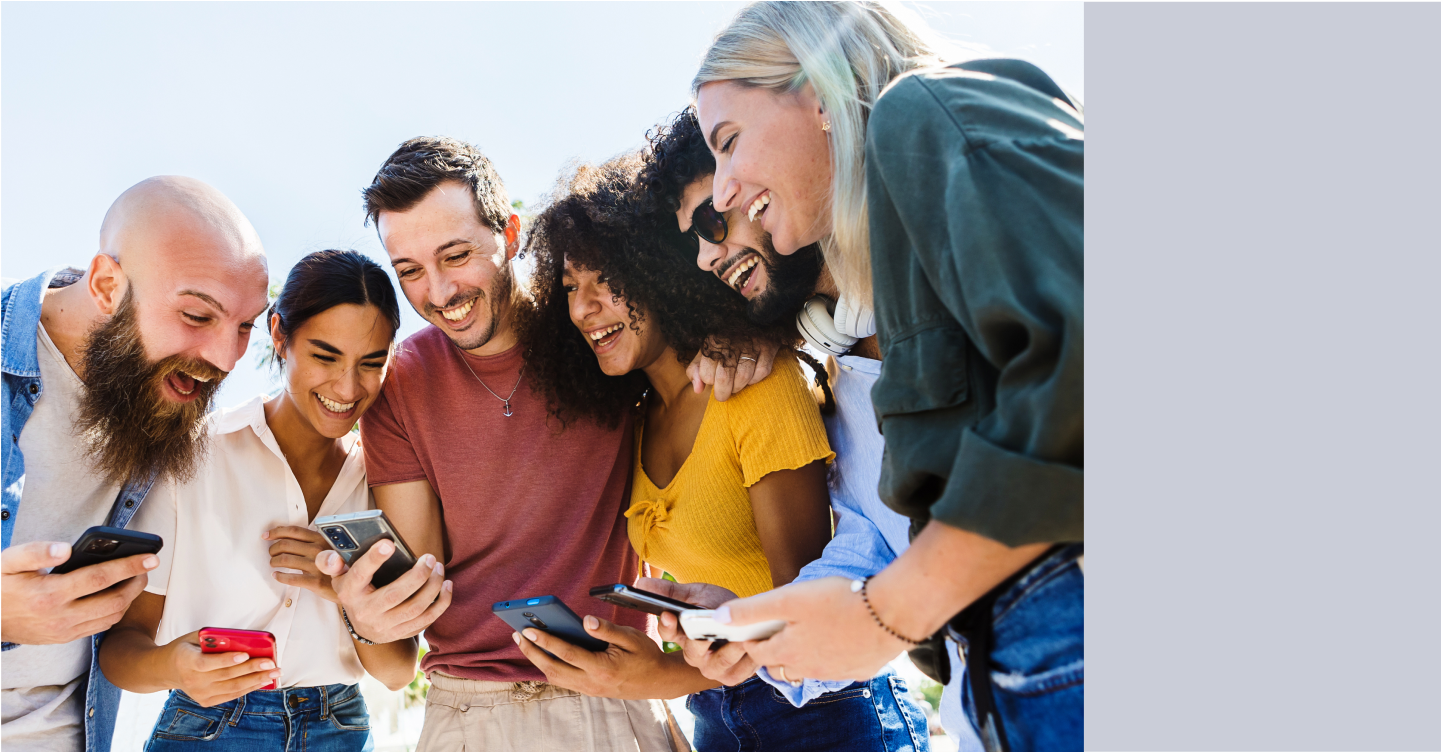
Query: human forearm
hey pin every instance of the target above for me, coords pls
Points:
(944, 570)
(680, 679)
(393, 663)
(133, 662)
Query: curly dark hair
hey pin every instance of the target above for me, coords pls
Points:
(599, 220)
(675, 155)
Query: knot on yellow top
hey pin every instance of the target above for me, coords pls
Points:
(649, 514)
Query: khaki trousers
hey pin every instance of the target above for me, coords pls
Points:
(463, 715)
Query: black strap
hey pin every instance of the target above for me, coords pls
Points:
(976, 624)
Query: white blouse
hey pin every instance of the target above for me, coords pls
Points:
(215, 568)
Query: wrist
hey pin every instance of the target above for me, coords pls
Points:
(350, 626)
(913, 616)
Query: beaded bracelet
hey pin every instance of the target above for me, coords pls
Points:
(353, 634)
(859, 586)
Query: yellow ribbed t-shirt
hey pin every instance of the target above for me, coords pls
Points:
(701, 528)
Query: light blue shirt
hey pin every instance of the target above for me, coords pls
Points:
(869, 535)
(19, 319)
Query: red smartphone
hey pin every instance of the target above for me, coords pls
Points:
(252, 642)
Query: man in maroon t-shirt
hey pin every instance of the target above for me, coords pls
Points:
(463, 460)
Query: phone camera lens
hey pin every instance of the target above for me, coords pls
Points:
(102, 546)
(534, 619)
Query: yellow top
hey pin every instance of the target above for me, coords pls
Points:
(701, 528)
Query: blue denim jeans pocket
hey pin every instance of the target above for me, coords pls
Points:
(184, 720)
(1038, 667)
(350, 713)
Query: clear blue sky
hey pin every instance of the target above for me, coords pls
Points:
(289, 108)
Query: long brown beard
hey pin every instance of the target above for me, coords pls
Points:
(128, 426)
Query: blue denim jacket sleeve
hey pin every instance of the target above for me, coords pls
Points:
(20, 363)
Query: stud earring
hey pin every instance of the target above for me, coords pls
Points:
(826, 126)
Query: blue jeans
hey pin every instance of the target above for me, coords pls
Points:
(753, 717)
(299, 719)
(1038, 666)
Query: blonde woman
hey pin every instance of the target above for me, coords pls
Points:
(949, 201)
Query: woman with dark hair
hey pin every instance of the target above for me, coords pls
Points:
(240, 547)
(731, 493)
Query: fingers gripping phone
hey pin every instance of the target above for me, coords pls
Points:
(100, 544)
(643, 600)
(253, 643)
(352, 535)
(550, 615)
(701, 625)
(640, 600)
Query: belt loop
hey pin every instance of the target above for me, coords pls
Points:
(324, 703)
(237, 711)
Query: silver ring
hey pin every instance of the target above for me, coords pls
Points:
(747, 357)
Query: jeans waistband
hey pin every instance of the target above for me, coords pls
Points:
(292, 700)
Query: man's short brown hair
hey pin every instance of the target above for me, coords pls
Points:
(420, 164)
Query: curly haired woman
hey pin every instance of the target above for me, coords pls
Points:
(731, 493)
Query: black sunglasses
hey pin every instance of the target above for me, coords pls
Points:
(708, 224)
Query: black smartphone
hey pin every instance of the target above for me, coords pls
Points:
(641, 600)
(101, 543)
(351, 535)
(548, 614)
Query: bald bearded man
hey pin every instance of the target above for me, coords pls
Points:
(107, 375)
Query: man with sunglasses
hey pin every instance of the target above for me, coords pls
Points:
(868, 534)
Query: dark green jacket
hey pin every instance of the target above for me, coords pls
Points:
(975, 178)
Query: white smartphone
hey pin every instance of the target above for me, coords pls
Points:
(699, 624)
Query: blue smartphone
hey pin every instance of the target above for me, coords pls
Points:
(550, 615)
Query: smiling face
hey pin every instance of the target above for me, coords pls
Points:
(773, 285)
(335, 363)
(198, 319)
(453, 269)
(772, 159)
(619, 346)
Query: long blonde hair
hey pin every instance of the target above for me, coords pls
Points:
(847, 52)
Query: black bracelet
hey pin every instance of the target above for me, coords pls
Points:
(859, 586)
(351, 629)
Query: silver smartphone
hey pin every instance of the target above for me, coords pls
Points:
(351, 535)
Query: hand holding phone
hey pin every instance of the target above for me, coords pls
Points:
(44, 608)
(397, 611)
(353, 535)
(548, 614)
(701, 625)
(718, 660)
(213, 666)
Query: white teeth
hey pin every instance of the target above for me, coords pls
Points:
(741, 269)
(197, 378)
(758, 205)
(458, 313)
(334, 406)
(602, 334)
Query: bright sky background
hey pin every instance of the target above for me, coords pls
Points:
(289, 108)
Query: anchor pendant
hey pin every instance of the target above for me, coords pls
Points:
(507, 408)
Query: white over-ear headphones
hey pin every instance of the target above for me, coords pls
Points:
(834, 332)
(858, 321)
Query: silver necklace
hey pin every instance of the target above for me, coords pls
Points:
(505, 399)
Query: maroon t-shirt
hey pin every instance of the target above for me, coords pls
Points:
(530, 509)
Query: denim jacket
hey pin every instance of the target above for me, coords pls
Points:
(19, 316)
(975, 183)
